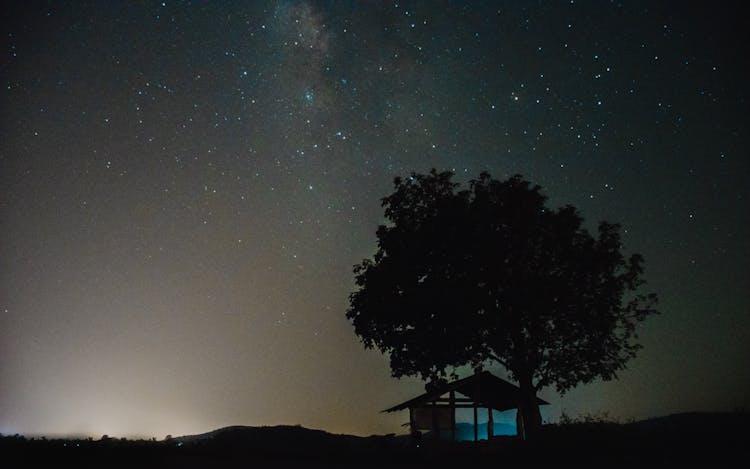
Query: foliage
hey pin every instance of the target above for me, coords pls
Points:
(490, 273)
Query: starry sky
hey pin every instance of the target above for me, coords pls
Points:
(185, 187)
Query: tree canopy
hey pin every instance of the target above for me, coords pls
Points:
(489, 273)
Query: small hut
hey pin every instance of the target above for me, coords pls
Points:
(435, 410)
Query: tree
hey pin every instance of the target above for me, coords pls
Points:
(490, 274)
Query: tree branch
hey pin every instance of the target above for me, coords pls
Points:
(499, 360)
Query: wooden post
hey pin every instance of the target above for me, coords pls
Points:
(490, 424)
(477, 398)
(435, 426)
(476, 425)
(453, 415)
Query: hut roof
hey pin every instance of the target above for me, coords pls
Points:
(484, 388)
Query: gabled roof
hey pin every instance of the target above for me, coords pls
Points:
(484, 388)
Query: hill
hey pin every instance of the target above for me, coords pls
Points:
(674, 441)
(285, 441)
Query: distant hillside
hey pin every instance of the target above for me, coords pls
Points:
(242, 432)
(682, 440)
(697, 422)
(288, 440)
(284, 437)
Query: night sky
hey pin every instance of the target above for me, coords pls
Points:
(185, 187)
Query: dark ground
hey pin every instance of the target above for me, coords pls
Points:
(683, 440)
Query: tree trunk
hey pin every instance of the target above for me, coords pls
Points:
(529, 409)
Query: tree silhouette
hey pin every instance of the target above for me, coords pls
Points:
(491, 274)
